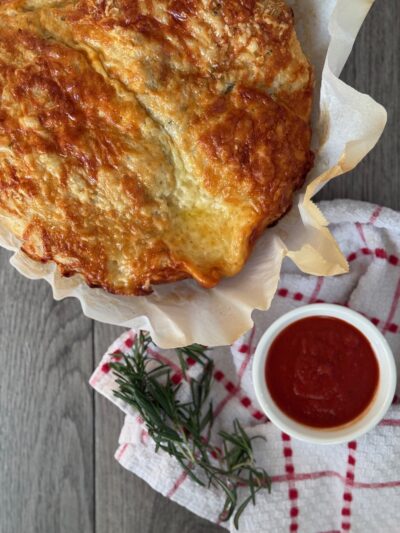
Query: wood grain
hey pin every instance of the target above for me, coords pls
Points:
(57, 471)
(46, 413)
(374, 68)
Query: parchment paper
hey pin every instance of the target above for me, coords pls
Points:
(346, 125)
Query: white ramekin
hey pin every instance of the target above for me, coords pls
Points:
(383, 397)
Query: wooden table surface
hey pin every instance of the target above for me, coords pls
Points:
(57, 439)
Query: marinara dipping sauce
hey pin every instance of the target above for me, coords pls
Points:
(322, 372)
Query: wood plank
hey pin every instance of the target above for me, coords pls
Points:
(374, 68)
(46, 413)
(46, 445)
(125, 503)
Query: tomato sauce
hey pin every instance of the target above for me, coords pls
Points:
(322, 372)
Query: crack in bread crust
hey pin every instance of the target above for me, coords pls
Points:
(145, 142)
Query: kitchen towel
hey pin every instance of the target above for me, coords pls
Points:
(315, 489)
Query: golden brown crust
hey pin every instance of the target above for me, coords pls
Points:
(144, 142)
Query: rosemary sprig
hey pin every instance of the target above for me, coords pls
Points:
(183, 429)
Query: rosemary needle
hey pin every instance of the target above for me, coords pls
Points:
(183, 429)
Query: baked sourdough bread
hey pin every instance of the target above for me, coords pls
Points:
(148, 141)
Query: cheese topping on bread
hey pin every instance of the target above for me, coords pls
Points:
(148, 141)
